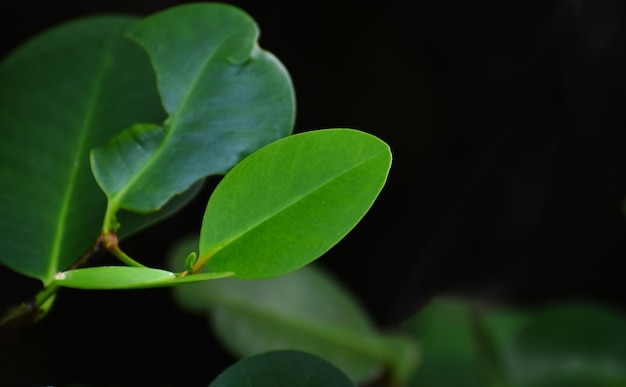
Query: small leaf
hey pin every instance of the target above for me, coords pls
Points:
(282, 369)
(112, 277)
(132, 148)
(126, 277)
(288, 203)
(190, 261)
(225, 98)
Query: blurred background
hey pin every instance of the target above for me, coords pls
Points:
(507, 122)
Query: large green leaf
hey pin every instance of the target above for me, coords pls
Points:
(282, 369)
(305, 310)
(62, 93)
(288, 203)
(225, 98)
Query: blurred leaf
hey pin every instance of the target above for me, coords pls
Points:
(282, 369)
(127, 277)
(290, 202)
(446, 337)
(65, 91)
(557, 345)
(225, 98)
(570, 345)
(304, 310)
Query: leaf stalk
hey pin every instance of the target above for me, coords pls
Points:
(111, 241)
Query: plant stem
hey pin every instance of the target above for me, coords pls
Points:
(111, 243)
(44, 294)
(201, 262)
(27, 312)
(30, 311)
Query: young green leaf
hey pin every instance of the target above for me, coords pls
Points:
(288, 203)
(132, 148)
(225, 98)
(190, 261)
(127, 277)
(112, 277)
(62, 93)
(282, 369)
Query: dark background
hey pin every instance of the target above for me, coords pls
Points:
(507, 124)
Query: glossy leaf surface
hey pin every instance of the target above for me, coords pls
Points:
(304, 310)
(62, 93)
(291, 201)
(126, 277)
(225, 98)
(282, 369)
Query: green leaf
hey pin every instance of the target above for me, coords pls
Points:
(570, 345)
(131, 222)
(190, 261)
(112, 277)
(225, 98)
(449, 355)
(132, 148)
(282, 369)
(67, 90)
(304, 310)
(557, 345)
(127, 277)
(290, 202)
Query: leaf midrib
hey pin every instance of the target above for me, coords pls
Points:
(287, 205)
(118, 197)
(88, 119)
